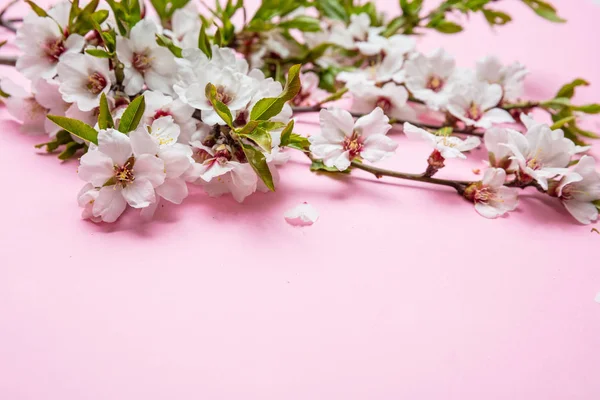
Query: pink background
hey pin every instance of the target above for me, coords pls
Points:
(399, 291)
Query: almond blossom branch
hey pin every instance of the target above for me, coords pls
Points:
(459, 186)
(467, 131)
(10, 61)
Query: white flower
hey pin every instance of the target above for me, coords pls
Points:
(186, 27)
(309, 92)
(302, 215)
(233, 89)
(377, 44)
(123, 175)
(177, 159)
(492, 199)
(145, 61)
(342, 140)
(447, 146)
(86, 198)
(540, 154)
(44, 42)
(390, 67)
(510, 77)
(357, 30)
(495, 140)
(164, 131)
(32, 109)
(476, 106)
(579, 188)
(83, 78)
(159, 105)
(391, 98)
(429, 78)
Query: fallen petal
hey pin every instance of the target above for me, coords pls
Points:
(302, 215)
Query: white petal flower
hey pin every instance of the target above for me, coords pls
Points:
(83, 78)
(476, 106)
(341, 140)
(391, 98)
(579, 188)
(241, 181)
(122, 176)
(302, 215)
(429, 78)
(389, 68)
(540, 154)
(86, 198)
(509, 77)
(186, 27)
(492, 199)
(44, 43)
(159, 105)
(495, 140)
(145, 61)
(447, 146)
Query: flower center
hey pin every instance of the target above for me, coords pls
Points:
(124, 174)
(384, 103)
(161, 113)
(534, 163)
(223, 96)
(474, 112)
(483, 195)
(435, 83)
(141, 62)
(96, 83)
(54, 48)
(353, 144)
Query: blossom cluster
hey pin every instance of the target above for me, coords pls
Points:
(151, 101)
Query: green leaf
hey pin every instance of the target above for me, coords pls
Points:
(394, 26)
(448, 27)
(37, 9)
(544, 10)
(105, 120)
(558, 103)
(332, 9)
(298, 142)
(286, 134)
(76, 127)
(588, 108)
(258, 162)
(204, 43)
(164, 41)
(318, 166)
(261, 137)
(132, 115)
(561, 122)
(269, 107)
(249, 127)
(568, 90)
(583, 132)
(62, 137)
(70, 150)
(496, 17)
(303, 23)
(98, 53)
(220, 107)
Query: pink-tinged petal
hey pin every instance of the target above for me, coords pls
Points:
(469, 143)
(336, 124)
(506, 199)
(115, 144)
(139, 193)
(147, 213)
(488, 211)
(415, 133)
(494, 177)
(215, 169)
(142, 142)
(570, 177)
(495, 116)
(173, 190)
(302, 215)
(177, 159)
(449, 152)
(586, 167)
(584, 212)
(134, 81)
(95, 167)
(243, 182)
(491, 96)
(110, 204)
(374, 123)
(150, 168)
(378, 147)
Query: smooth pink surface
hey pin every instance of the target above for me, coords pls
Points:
(399, 291)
